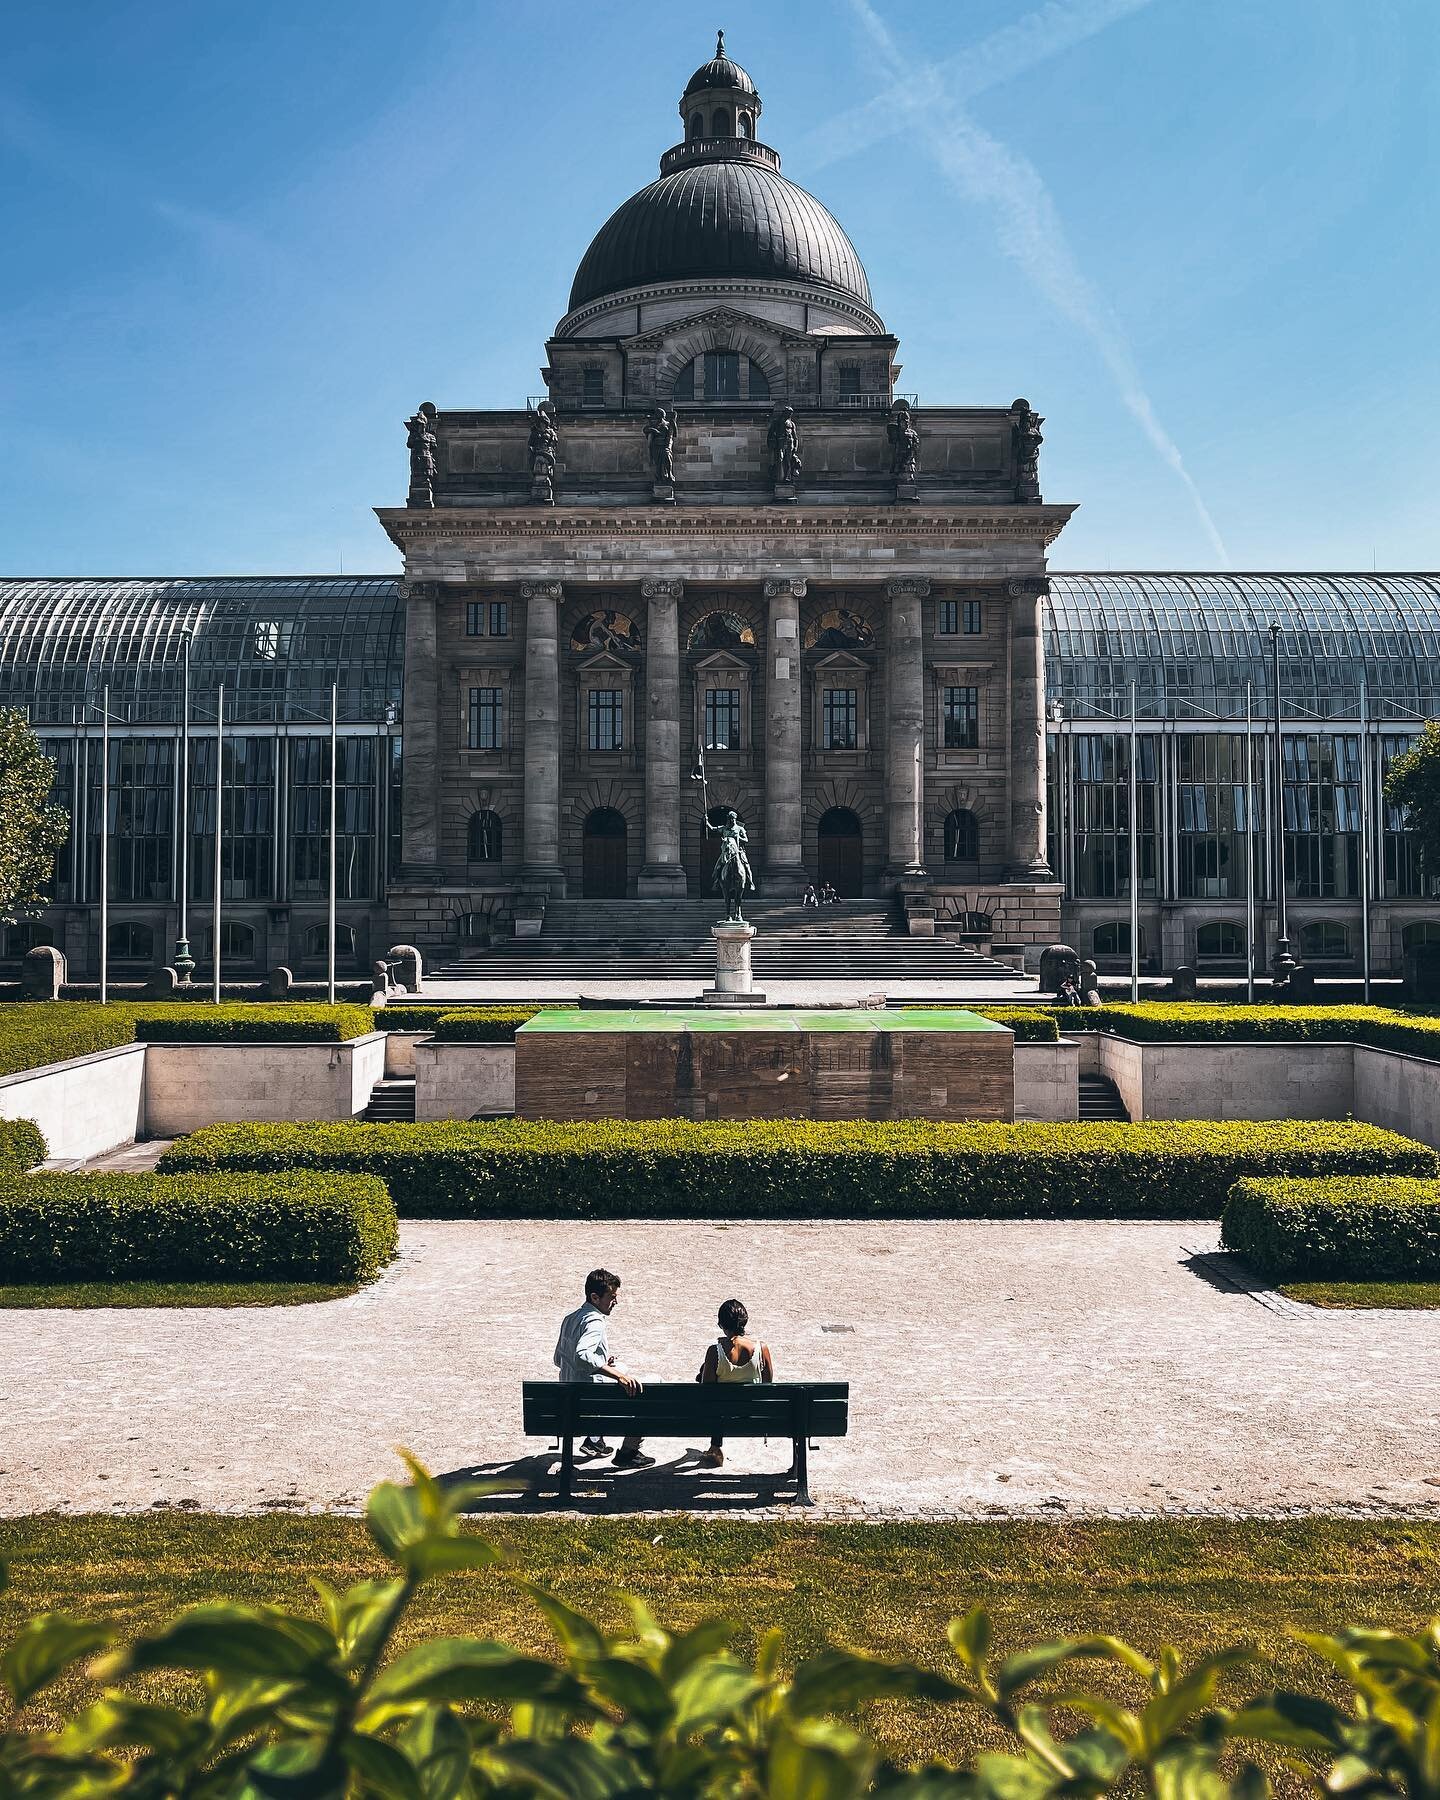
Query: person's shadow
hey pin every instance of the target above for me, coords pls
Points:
(680, 1484)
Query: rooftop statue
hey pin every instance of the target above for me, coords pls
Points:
(544, 442)
(422, 442)
(904, 438)
(660, 431)
(1028, 440)
(786, 451)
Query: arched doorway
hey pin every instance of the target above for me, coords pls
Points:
(603, 858)
(842, 847)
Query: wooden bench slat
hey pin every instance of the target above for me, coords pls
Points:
(680, 1408)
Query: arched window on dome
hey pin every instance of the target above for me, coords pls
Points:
(697, 125)
(720, 375)
(744, 125)
(720, 124)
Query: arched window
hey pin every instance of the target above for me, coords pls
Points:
(28, 935)
(485, 837)
(315, 945)
(720, 375)
(697, 125)
(720, 124)
(721, 631)
(1220, 938)
(1325, 940)
(1113, 938)
(129, 939)
(237, 941)
(744, 125)
(1423, 931)
(962, 836)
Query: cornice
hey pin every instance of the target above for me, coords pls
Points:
(406, 526)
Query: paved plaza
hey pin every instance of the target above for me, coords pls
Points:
(1028, 1369)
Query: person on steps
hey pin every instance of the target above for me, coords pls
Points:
(582, 1353)
(733, 1358)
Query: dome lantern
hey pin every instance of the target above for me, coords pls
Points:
(719, 101)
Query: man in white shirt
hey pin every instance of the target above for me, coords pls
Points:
(582, 1353)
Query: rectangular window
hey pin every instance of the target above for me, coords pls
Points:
(499, 618)
(849, 380)
(607, 720)
(474, 618)
(593, 391)
(949, 617)
(842, 718)
(722, 375)
(970, 617)
(722, 718)
(485, 718)
(356, 842)
(962, 718)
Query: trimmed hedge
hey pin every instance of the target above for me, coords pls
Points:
(1367, 1229)
(286, 1022)
(1029, 1023)
(795, 1169)
(34, 1033)
(483, 1024)
(22, 1144)
(1191, 1021)
(301, 1226)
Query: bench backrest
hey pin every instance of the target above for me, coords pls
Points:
(781, 1409)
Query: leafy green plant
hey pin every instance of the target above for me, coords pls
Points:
(34, 1034)
(285, 1022)
(1377, 1228)
(1213, 1022)
(298, 1707)
(1029, 1023)
(483, 1024)
(1413, 781)
(31, 829)
(797, 1168)
(22, 1144)
(301, 1225)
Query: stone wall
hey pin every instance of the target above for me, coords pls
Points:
(85, 1106)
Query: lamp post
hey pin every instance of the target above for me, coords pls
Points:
(1249, 848)
(1283, 965)
(105, 846)
(1365, 872)
(219, 837)
(184, 961)
(1134, 853)
(334, 785)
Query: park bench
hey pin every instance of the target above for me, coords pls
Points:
(798, 1410)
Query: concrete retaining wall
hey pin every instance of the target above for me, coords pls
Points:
(1232, 1081)
(457, 1081)
(1398, 1091)
(190, 1085)
(400, 1052)
(85, 1106)
(1047, 1080)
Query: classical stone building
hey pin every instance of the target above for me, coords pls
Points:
(725, 530)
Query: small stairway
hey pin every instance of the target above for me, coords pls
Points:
(391, 1102)
(1100, 1099)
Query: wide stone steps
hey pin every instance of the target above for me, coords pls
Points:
(391, 1101)
(1100, 1099)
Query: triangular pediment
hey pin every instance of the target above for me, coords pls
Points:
(715, 660)
(836, 660)
(713, 318)
(604, 660)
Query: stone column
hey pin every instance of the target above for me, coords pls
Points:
(784, 871)
(541, 868)
(662, 877)
(1029, 860)
(420, 767)
(905, 725)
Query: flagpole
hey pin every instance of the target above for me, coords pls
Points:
(334, 778)
(105, 847)
(1365, 837)
(1134, 855)
(1249, 849)
(219, 837)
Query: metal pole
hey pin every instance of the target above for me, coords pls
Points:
(105, 848)
(1365, 837)
(1283, 961)
(334, 785)
(219, 839)
(1249, 848)
(1134, 854)
(184, 961)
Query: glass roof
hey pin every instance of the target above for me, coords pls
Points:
(1190, 643)
(276, 642)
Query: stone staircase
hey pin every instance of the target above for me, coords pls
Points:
(391, 1101)
(597, 940)
(1100, 1099)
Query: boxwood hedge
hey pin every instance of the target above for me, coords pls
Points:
(1029, 1023)
(22, 1144)
(33, 1033)
(1376, 1228)
(483, 1024)
(286, 1022)
(299, 1226)
(1159, 1021)
(795, 1169)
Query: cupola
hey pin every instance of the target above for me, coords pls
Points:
(720, 100)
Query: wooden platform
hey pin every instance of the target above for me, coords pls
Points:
(915, 1063)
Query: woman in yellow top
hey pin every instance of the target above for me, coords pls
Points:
(733, 1357)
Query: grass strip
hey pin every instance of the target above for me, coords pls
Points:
(86, 1295)
(1360, 1296)
(1195, 1584)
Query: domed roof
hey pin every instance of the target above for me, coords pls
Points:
(720, 72)
(720, 219)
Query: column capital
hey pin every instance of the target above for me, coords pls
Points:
(419, 590)
(791, 587)
(1029, 587)
(656, 588)
(908, 587)
(542, 590)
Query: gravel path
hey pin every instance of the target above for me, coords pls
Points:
(996, 1369)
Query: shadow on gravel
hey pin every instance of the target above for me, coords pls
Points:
(1229, 1274)
(531, 1484)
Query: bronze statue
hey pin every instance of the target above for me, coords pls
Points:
(421, 440)
(786, 456)
(544, 443)
(904, 438)
(1026, 432)
(660, 431)
(731, 876)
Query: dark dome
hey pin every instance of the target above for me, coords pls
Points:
(720, 72)
(725, 220)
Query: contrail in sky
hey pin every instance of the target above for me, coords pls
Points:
(981, 168)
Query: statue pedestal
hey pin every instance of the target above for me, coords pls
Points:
(907, 490)
(664, 492)
(734, 982)
(542, 491)
(784, 490)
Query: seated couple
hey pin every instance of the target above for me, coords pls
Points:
(583, 1354)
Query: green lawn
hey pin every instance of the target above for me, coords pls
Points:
(81, 1294)
(1405, 1296)
(1194, 1584)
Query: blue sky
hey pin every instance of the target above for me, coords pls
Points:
(243, 242)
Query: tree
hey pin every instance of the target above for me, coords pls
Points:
(1414, 783)
(31, 829)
